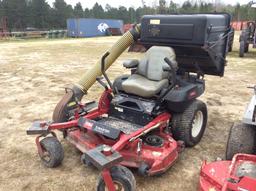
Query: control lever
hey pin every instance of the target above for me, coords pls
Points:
(103, 84)
(173, 69)
(170, 63)
(103, 69)
(252, 87)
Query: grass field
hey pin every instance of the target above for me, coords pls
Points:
(32, 77)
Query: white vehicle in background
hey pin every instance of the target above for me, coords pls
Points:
(242, 136)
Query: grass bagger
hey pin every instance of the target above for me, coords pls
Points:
(238, 172)
(142, 120)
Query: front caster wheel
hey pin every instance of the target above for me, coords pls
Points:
(190, 125)
(122, 177)
(52, 152)
(86, 162)
(143, 169)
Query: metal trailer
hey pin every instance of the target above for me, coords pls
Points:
(90, 27)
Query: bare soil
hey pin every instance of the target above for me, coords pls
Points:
(32, 77)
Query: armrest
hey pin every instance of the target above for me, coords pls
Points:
(131, 63)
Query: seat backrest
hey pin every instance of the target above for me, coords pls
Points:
(151, 66)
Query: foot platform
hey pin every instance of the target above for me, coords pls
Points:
(103, 157)
(38, 128)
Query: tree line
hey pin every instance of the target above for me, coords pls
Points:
(39, 14)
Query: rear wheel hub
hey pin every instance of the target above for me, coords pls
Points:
(197, 123)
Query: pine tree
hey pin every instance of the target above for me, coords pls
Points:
(40, 14)
(61, 12)
(162, 9)
(15, 11)
(98, 11)
(78, 10)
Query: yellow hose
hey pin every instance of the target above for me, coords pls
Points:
(69, 100)
(89, 78)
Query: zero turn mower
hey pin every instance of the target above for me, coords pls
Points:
(142, 120)
(248, 34)
(247, 37)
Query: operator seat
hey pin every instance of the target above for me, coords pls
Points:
(150, 78)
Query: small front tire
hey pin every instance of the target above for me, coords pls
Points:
(53, 153)
(143, 169)
(86, 162)
(122, 177)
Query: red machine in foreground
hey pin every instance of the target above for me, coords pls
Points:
(144, 119)
(240, 173)
(236, 175)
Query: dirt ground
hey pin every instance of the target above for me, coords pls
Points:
(32, 77)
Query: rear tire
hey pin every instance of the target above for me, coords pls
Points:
(241, 139)
(246, 48)
(230, 48)
(53, 153)
(242, 49)
(122, 178)
(190, 125)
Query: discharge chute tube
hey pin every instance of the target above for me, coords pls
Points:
(60, 113)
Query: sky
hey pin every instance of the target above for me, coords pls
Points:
(136, 3)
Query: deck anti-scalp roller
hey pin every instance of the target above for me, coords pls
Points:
(60, 113)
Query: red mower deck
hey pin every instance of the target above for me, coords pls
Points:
(236, 175)
(104, 153)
